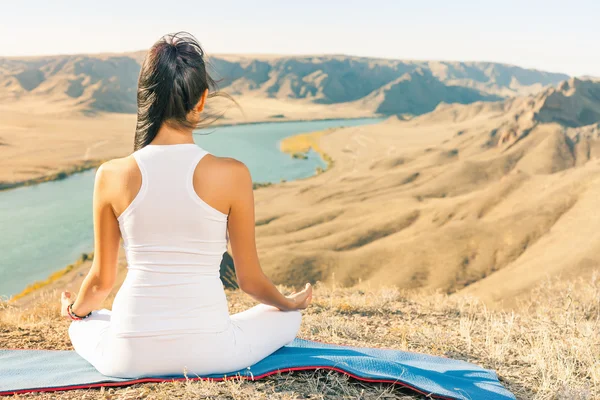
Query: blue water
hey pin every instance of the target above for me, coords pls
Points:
(45, 227)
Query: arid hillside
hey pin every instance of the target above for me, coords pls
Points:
(107, 82)
(487, 198)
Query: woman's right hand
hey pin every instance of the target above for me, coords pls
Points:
(301, 300)
(66, 299)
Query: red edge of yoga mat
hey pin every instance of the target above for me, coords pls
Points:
(250, 378)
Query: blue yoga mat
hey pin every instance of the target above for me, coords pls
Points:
(50, 370)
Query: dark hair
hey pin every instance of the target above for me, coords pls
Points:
(173, 78)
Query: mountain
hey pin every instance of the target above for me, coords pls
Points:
(87, 83)
(419, 92)
(107, 82)
(489, 198)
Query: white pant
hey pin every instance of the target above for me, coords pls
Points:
(252, 336)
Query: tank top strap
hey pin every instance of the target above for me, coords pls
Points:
(194, 159)
(137, 155)
(193, 164)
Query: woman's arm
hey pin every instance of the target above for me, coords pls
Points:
(100, 279)
(250, 276)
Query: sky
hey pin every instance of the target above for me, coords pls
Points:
(550, 35)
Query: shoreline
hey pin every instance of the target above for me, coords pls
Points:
(55, 176)
(53, 277)
(283, 120)
(91, 164)
(291, 145)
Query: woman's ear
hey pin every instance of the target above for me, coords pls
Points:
(200, 105)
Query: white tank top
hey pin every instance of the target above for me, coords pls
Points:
(174, 243)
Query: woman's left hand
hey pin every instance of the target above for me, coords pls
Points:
(66, 299)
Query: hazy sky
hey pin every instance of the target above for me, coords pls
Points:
(561, 36)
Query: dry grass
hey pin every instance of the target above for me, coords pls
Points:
(549, 348)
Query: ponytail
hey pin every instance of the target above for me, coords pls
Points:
(172, 80)
(155, 87)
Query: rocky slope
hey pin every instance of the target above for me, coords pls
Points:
(486, 198)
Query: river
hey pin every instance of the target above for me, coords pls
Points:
(47, 226)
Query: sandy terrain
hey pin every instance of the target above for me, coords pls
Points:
(36, 145)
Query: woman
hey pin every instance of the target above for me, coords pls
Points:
(173, 204)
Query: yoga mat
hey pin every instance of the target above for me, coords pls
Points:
(51, 370)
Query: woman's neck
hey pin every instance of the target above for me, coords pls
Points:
(170, 135)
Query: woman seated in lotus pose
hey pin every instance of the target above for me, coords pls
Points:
(173, 204)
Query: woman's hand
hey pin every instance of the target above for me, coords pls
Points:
(66, 299)
(301, 300)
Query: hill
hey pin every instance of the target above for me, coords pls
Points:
(107, 82)
(573, 103)
(419, 92)
(487, 198)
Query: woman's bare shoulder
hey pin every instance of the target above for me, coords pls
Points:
(220, 181)
(118, 167)
(118, 172)
(227, 169)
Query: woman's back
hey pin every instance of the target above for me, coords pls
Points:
(174, 207)
(174, 243)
